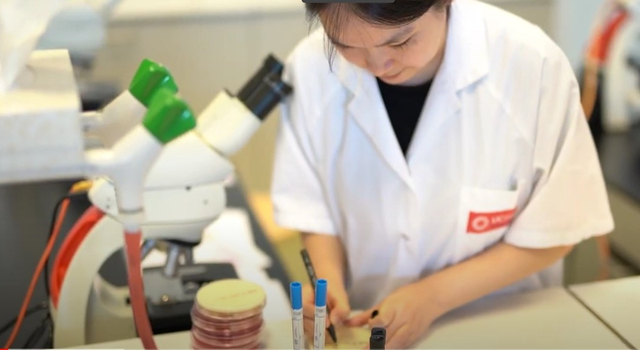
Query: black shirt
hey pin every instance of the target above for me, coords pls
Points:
(404, 105)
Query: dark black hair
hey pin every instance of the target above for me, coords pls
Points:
(396, 14)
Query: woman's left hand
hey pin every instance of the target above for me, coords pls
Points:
(406, 315)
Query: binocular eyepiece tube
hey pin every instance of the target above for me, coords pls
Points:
(262, 93)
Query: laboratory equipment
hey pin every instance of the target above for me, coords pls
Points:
(320, 314)
(44, 136)
(297, 315)
(81, 27)
(227, 314)
(41, 124)
(184, 193)
(311, 273)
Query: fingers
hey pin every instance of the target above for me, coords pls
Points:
(308, 295)
(309, 305)
(385, 319)
(400, 339)
(308, 311)
(360, 319)
(308, 327)
(337, 300)
(382, 320)
(307, 301)
(340, 308)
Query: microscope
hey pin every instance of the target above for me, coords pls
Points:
(157, 174)
(184, 192)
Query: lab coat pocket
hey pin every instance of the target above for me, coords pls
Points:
(484, 217)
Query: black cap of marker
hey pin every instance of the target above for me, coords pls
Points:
(377, 339)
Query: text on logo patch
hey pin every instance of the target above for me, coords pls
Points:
(485, 222)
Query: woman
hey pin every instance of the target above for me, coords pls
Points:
(436, 154)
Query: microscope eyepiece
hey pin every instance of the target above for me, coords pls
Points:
(270, 65)
(269, 92)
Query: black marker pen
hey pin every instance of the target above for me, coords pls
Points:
(312, 277)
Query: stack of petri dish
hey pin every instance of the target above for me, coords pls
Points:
(227, 314)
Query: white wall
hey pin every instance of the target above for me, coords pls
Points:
(573, 23)
(568, 22)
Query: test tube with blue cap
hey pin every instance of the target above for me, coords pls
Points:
(297, 317)
(320, 314)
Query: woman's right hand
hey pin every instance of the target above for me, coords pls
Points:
(337, 301)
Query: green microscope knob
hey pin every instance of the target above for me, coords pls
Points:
(149, 78)
(168, 116)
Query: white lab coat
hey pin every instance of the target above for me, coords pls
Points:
(502, 132)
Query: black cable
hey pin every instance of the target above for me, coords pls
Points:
(37, 333)
(42, 306)
(42, 328)
(48, 344)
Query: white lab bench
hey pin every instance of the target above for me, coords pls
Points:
(617, 303)
(545, 319)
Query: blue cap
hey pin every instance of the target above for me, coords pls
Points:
(321, 292)
(296, 295)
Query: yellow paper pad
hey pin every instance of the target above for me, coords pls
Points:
(348, 339)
